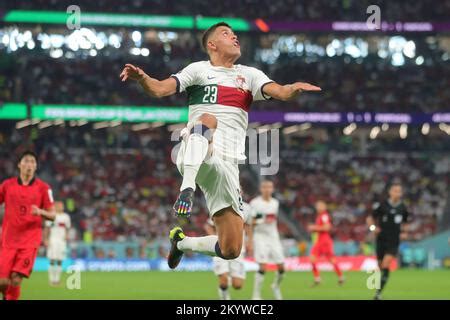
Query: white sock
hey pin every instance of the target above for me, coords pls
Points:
(224, 294)
(51, 274)
(58, 271)
(205, 245)
(259, 280)
(278, 278)
(196, 151)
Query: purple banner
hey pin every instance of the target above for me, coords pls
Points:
(358, 26)
(348, 117)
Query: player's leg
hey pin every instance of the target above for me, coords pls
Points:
(7, 257)
(259, 280)
(381, 253)
(227, 244)
(224, 294)
(196, 151)
(237, 273)
(58, 271)
(51, 271)
(337, 269)
(278, 258)
(13, 290)
(385, 265)
(315, 270)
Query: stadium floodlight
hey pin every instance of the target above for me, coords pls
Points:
(403, 131)
(140, 126)
(304, 126)
(385, 127)
(419, 60)
(290, 130)
(444, 127)
(45, 124)
(374, 132)
(23, 124)
(101, 125)
(425, 129)
(348, 130)
(145, 52)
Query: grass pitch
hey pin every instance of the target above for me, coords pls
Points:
(403, 284)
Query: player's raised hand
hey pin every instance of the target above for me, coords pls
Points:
(132, 72)
(303, 86)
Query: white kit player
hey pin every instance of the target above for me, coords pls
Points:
(56, 235)
(233, 270)
(220, 93)
(267, 244)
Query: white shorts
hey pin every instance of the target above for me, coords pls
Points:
(219, 181)
(56, 251)
(235, 268)
(268, 249)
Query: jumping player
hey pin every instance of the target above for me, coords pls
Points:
(220, 93)
(324, 243)
(27, 200)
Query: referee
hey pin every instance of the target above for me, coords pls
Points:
(387, 221)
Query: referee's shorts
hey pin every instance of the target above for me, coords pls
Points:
(386, 246)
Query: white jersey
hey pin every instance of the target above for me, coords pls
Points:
(266, 214)
(59, 228)
(227, 94)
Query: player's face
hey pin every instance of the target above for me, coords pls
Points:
(266, 189)
(226, 42)
(59, 207)
(28, 165)
(395, 193)
(321, 206)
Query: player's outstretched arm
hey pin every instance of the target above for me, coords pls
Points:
(289, 91)
(153, 87)
(49, 215)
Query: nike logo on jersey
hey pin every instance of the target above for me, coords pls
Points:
(209, 77)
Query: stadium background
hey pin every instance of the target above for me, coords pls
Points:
(105, 146)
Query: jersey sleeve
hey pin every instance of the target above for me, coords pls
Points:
(259, 80)
(406, 216)
(47, 197)
(2, 192)
(376, 210)
(69, 222)
(186, 77)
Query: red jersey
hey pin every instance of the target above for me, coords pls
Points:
(323, 218)
(22, 229)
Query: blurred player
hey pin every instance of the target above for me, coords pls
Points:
(267, 244)
(387, 220)
(233, 270)
(56, 236)
(220, 93)
(324, 243)
(27, 200)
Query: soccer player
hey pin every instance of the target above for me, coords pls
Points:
(324, 243)
(56, 236)
(389, 218)
(267, 244)
(232, 270)
(27, 200)
(220, 93)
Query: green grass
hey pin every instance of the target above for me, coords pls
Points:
(403, 284)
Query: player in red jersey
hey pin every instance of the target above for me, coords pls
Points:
(27, 200)
(324, 243)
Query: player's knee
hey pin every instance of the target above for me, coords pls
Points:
(237, 285)
(4, 284)
(208, 120)
(16, 281)
(231, 252)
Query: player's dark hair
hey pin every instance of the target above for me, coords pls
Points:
(27, 153)
(394, 184)
(209, 31)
